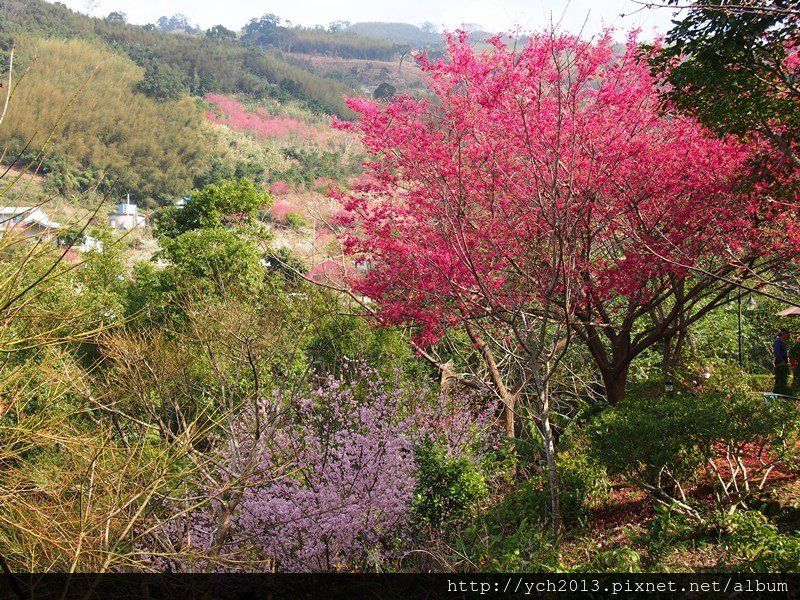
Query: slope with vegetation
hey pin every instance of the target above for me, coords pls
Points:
(534, 368)
(181, 63)
(76, 101)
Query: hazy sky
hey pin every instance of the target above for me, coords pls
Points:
(494, 15)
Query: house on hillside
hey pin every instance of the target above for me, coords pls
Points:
(126, 216)
(29, 221)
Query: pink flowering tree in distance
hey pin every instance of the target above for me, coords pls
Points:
(545, 194)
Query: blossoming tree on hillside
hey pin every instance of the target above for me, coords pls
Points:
(544, 194)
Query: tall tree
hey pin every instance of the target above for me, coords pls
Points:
(563, 146)
(734, 64)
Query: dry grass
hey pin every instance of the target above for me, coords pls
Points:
(371, 73)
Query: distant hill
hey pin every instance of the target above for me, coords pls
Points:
(270, 31)
(182, 63)
(399, 33)
(412, 36)
(77, 102)
(159, 109)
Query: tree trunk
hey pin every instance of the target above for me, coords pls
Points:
(508, 415)
(613, 365)
(228, 505)
(666, 359)
(614, 380)
(507, 397)
(223, 528)
(550, 454)
(447, 378)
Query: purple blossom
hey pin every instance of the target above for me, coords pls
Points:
(322, 483)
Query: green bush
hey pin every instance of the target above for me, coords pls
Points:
(529, 548)
(513, 535)
(662, 442)
(615, 560)
(448, 487)
(755, 545)
(668, 531)
(582, 480)
(228, 203)
(762, 383)
(295, 221)
(161, 82)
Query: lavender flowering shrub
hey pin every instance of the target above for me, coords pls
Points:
(341, 494)
(324, 483)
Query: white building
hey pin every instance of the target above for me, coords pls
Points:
(89, 243)
(29, 221)
(126, 216)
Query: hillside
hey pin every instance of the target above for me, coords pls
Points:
(120, 108)
(399, 33)
(178, 64)
(103, 109)
(366, 75)
(76, 102)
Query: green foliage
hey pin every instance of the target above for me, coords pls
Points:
(176, 22)
(615, 560)
(668, 531)
(67, 178)
(384, 91)
(82, 93)
(212, 260)
(295, 221)
(287, 264)
(756, 546)
(161, 82)
(101, 277)
(448, 487)
(661, 442)
(220, 32)
(338, 341)
(512, 535)
(764, 324)
(583, 482)
(762, 383)
(144, 294)
(731, 72)
(117, 17)
(228, 202)
(310, 164)
(71, 236)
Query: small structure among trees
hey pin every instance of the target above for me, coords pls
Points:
(126, 216)
(29, 221)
